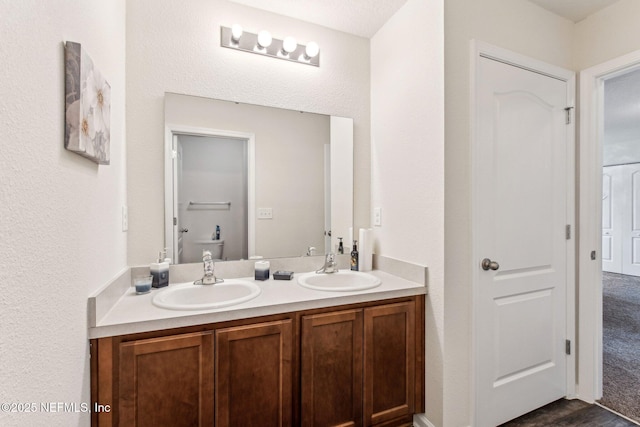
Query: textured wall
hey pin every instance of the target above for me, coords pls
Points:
(60, 230)
(522, 27)
(608, 34)
(407, 96)
(173, 48)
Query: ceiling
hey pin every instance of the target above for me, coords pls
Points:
(365, 17)
(360, 17)
(573, 10)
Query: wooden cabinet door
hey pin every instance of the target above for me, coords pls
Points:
(254, 375)
(389, 362)
(331, 361)
(167, 381)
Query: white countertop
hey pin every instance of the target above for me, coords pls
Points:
(136, 313)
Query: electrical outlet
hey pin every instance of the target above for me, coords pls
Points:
(265, 213)
(125, 218)
(377, 217)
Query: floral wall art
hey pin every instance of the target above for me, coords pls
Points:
(87, 106)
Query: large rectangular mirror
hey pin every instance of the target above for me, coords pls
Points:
(249, 181)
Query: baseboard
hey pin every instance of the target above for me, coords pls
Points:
(420, 420)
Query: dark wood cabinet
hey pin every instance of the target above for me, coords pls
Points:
(358, 367)
(253, 375)
(167, 381)
(331, 369)
(389, 362)
(355, 365)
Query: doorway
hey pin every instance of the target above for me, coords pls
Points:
(621, 244)
(200, 166)
(212, 197)
(601, 246)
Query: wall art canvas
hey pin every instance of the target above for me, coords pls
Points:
(87, 106)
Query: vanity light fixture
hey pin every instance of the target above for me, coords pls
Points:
(263, 43)
(311, 51)
(264, 40)
(289, 44)
(236, 33)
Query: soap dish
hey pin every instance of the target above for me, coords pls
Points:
(283, 275)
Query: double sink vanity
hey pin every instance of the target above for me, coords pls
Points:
(344, 348)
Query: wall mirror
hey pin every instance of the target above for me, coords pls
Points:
(248, 181)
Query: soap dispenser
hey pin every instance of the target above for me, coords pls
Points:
(160, 272)
(354, 256)
(167, 261)
(216, 234)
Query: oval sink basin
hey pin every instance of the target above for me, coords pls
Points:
(187, 296)
(343, 280)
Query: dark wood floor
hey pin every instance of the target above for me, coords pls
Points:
(565, 413)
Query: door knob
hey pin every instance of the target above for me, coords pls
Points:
(184, 230)
(487, 264)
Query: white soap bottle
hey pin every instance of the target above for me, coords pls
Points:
(160, 272)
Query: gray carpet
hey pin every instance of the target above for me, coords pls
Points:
(621, 344)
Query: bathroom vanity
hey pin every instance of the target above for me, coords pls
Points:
(292, 356)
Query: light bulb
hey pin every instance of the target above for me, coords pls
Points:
(236, 33)
(312, 50)
(289, 44)
(264, 39)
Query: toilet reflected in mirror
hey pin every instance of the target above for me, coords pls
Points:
(193, 251)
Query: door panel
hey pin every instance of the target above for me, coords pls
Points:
(253, 383)
(523, 347)
(332, 360)
(530, 217)
(389, 362)
(167, 381)
(611, 244)
(621, 219)
(176, 194)
(521, 202)
(631, 262)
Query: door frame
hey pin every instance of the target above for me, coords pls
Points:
(590, 219)
(171, 130)
(478, 50)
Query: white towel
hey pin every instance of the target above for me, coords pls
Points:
(365, 249)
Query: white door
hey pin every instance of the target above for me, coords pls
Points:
(327, 200)
(178, 228)
(631, 221)
(520, 203)
(611, 243)
(621, 219)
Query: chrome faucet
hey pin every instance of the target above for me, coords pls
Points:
(330, 265)
(209, 277)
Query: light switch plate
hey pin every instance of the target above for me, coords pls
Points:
(125, 218)
(265, 213)
(377, 217)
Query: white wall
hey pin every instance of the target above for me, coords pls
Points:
(608, 34)
(525, 28)
(174, 48)
(60, 237)
(407, 94)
